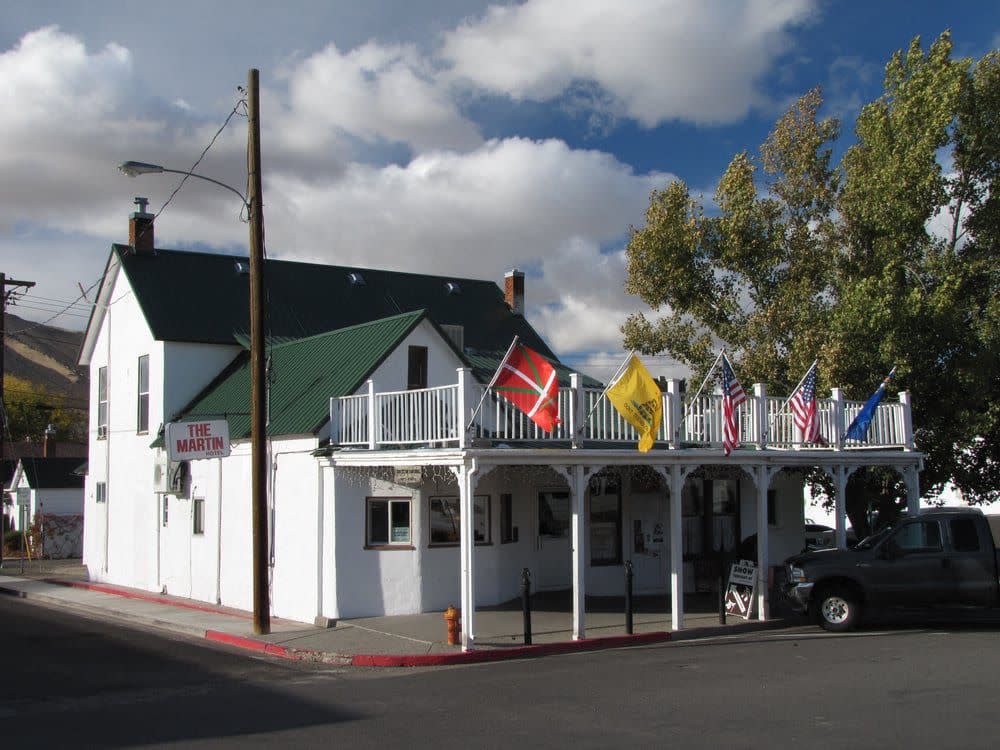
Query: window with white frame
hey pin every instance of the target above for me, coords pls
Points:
(102, 402)
(387, 522)
(101, 492)
(142, 402)
(198, 515)
(445, 520)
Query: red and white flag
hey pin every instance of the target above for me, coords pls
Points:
(527, 380)
(803, 403)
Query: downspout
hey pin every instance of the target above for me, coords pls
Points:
(218, 543)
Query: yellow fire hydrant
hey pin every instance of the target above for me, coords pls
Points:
(452, 618)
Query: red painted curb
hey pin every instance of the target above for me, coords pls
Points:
(142, 596)
(271, 649)
(518, 652)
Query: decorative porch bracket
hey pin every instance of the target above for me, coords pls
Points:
(576, 477)
(675, 476)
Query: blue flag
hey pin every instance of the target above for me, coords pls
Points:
(859, 427)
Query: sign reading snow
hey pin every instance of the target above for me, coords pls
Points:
(187, 441)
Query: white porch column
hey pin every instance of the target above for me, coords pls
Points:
(467, 485)
(465, 396)
(760, 397)
(677, 476)
(840, 476)
(762, 478)
(372, 424)
(577, 413)
(912, 477)
(579, 488)
(904, 399)
(837, 438)
(676, 411)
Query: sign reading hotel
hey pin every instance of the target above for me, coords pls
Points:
(739, 594)
(187, 441)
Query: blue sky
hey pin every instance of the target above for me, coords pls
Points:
(447, 136)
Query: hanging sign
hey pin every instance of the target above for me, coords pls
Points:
(408, 475)
(187, 441)
(741, 589)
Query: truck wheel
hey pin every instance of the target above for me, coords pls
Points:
(837, 609)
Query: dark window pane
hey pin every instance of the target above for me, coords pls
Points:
(964, 536)
(924, 536)
(417, 367)
(378, 522)
(400, 521)
(444, 520)
(506, 519)
(553, 514)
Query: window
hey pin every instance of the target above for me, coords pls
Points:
(388, 522)
(101, 492)
(553, 514)
(142, 404)
(198, 515)
(446, 527)
(605, 520)
(964, 536)
(508, 532)
(417, 368)
(922, 536)
(102, 402)
(165, 511)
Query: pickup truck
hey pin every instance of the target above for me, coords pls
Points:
(938, 558)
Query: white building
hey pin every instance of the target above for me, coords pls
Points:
(381, 502)
(51, 488)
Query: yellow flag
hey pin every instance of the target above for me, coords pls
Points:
(637, 398)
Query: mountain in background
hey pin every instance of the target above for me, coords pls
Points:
(46, 356)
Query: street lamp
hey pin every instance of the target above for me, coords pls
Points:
(253, 202)
(136, 168)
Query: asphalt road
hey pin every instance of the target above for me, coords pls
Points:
(74, 682)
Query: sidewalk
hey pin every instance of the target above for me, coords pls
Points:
(412, 640)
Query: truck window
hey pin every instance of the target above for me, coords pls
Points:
(964, 535)
(922, 536)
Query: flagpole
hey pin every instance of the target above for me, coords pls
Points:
(711, 369)
(496, 374)
(604, 393)
(770, 423)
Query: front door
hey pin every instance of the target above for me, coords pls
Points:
(554, 540)
(647, 542)
(175, 544)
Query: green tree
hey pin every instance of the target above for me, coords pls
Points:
(804, 258)
(30, 409)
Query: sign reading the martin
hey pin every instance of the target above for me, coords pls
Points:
(742, 586)
(187, 441)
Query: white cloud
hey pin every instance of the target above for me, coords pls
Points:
(658, 60)
(373, 92)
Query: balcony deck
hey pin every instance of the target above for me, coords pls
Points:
(437, 418)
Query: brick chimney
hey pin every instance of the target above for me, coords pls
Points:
(513, 290)
(140, 227)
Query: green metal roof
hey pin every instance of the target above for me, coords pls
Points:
(204, 297)
(305, 374)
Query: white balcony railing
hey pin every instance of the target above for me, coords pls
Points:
(438, 417)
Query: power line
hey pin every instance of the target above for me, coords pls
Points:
(48, 320)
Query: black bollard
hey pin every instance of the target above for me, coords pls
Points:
(526, 604)
(722, 591)
(628, 597)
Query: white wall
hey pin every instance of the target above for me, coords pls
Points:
(442, 362)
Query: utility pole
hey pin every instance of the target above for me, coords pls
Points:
(4, 296)
(258, 425)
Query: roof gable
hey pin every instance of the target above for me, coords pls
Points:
(51, 473)
(307, 373)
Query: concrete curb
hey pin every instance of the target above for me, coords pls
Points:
(500, 654)
(145, 597)
(284, 652)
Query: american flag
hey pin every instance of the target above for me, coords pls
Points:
(803, 403)
(732, 396)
